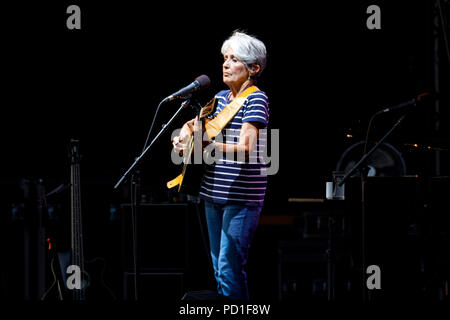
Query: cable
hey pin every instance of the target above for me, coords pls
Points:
(368, 130)
(151, 127)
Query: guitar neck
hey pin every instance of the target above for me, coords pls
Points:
(76, 222)
(77, 234)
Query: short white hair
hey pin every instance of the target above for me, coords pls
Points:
(246, 48)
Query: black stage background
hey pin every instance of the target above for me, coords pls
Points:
(326, 75)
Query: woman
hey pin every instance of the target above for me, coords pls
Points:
(234, 190)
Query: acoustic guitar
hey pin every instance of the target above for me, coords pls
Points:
(213, 127)
(189, 181)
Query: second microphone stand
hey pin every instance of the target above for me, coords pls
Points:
(364, 171)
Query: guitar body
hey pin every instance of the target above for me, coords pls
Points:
(192, 180)
(92, 280)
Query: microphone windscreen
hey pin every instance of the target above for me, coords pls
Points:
(204, 81)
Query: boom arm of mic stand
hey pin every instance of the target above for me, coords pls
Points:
(376, 146)
(138, 159)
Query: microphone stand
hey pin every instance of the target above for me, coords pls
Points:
(364, 171)
(132, 170)
(139, 158)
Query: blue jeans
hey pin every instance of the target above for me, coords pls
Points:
(230, 230)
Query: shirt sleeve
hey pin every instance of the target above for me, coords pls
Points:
(257, 109)
(220, 104)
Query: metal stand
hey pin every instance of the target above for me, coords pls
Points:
(139, 158)
(331, 256)
(132, 170)
(364, 173)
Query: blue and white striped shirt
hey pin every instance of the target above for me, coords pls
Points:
(233, 181)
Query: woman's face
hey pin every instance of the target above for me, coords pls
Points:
(234, 71)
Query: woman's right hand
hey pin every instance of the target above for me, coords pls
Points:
(180, 144)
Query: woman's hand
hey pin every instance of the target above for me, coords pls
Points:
(180, 142)
(197, 125)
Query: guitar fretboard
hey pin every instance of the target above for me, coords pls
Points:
(76, 224)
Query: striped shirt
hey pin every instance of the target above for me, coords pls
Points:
(232, 180)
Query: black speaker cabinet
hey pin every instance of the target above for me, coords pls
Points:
(161, 234)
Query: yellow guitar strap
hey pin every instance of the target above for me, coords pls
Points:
(214, 127)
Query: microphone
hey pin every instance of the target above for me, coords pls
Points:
(411, 102)
(200, 83)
